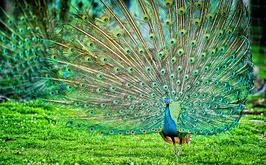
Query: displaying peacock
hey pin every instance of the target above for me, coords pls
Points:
(177, 67)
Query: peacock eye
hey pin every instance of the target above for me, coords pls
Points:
(13, 47)
(22, 18)
(191, 60)
(100, 76)
(141, 84)
(99, 90)
(162, 71)
(173, 41)
(141, 51)
(210, 16)
(115, 102)
(196, 21)
(118, 34)
(111, 132)
(186, 77)
(160, 54)
(198, 5)
(195, 72)
(86, 106)
(91, 44)
(27, 40)
(193, 42)
(128, 51)
(145, 18)
(172, 76)
(181, 10)
(129, 96)
(173, 92)
(220, 32)
(14, 36)
(130, 70)
(154, 84)
(213, 51)
(179, 68)
(188, 87)
(173, 60)
(168, 3)
(168, 21)
(153, 95)
(180, 52)
(165, 87)
(21, 31)
(151, 36)
(129, 85)
(203, 55)
(182, 32)
(207, 36)
(10, 22)
(131, 107)
(148, 69)
(3, 38)
(117, 70)
(105, 19)
(103, 105)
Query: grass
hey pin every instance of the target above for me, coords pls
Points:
(34, 133)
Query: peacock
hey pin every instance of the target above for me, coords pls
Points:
(174, 67)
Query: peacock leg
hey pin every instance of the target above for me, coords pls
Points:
(179, 150)
(175, 151)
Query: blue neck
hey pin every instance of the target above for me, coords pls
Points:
(169, 127)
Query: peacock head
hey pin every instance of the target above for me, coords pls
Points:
(167, 101)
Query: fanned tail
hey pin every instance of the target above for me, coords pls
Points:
(119, 65)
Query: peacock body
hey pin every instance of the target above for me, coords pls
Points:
(172, 66)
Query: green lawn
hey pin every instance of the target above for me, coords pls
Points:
(34, 133)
